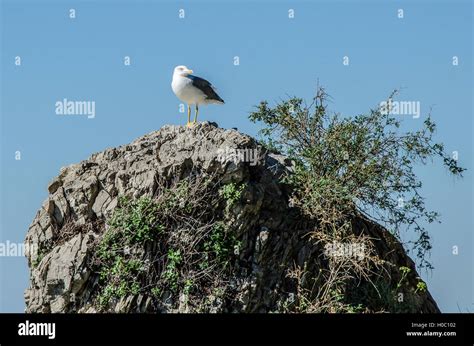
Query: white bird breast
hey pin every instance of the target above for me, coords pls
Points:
(186, 92)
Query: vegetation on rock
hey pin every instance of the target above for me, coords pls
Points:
(354, 167)
(192, 240)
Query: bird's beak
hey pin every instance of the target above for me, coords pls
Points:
(190, 71)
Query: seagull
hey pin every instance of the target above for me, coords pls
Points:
(193, 90)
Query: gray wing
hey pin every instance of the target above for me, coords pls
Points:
(205, 87)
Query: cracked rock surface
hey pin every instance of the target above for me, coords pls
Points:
(83, 196)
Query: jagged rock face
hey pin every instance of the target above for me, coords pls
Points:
(84, 196)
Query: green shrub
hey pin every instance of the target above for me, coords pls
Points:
(138, 255)
(171, 274)
(136, 219)
(363, 165)
(231, 193)
(221, 244)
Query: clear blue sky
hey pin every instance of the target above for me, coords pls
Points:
(82, 59)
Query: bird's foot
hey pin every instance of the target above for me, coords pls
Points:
(189, 124)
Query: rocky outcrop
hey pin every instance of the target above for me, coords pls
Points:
(84, 196)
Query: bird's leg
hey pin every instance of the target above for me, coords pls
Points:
(189, 116)
(196, 114)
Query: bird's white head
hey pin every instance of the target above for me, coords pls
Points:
(182, 71)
